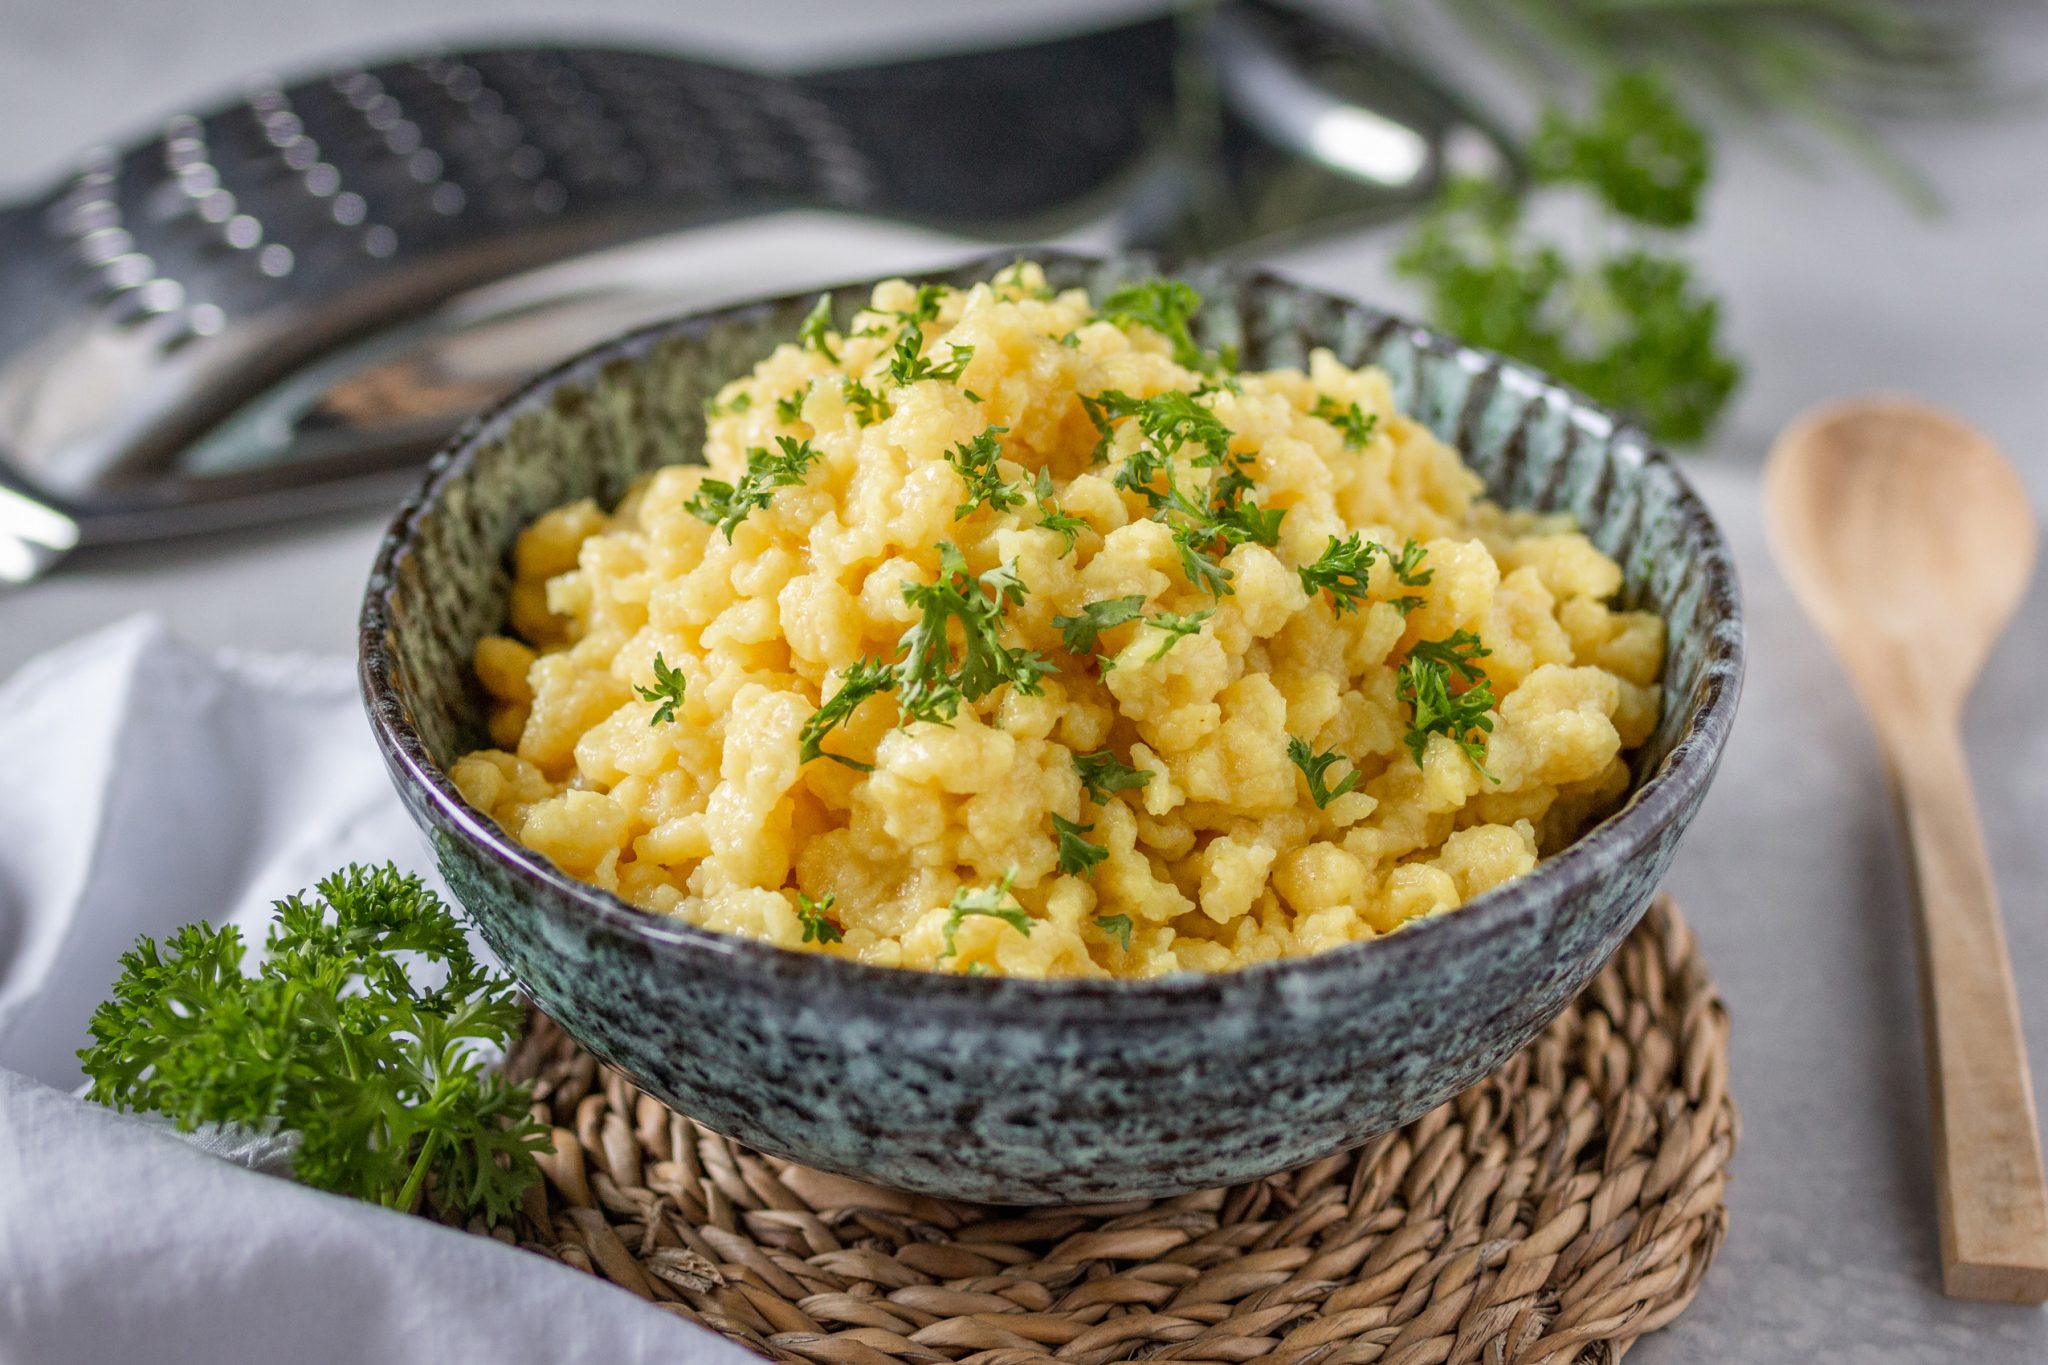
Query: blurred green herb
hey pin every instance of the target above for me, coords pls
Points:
(811, 913)
(1629, 325)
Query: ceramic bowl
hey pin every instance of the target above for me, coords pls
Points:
(1036, 1092)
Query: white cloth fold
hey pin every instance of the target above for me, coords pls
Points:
(145, 784)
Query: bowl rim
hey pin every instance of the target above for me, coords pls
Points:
(1620, 837)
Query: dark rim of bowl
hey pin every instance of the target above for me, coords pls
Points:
(1622, 836)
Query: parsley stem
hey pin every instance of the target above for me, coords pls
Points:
(418, 1176)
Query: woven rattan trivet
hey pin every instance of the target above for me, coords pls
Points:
(1556, 1211)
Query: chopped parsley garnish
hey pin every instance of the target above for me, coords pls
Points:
(1175, 629)
(925, 306)
(384, 1077)
(975, 462)
(818, 929)
(867, 678)
(1354, 424)
(869, 406)
(1341, 570)
(741, 401)
(932, 679)
(725, 505)
(817, 325)
(985, 900)
(1406, 569)
(790, 407)
(1165, 306)
(1104, 774)
(1169, 421)
(1198, 561)
(1424, 680)
(1204, 520)
(1079, 632)
(909, 364)
(1078, 857)
(1313, 765)
(667, 690)
(1117, 927)
(929, 678)
(1049, 514)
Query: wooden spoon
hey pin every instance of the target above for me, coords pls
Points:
(1909, 540)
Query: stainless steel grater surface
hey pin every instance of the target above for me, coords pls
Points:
(273, 307)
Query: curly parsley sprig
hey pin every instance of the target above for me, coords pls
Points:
(992, 901)
(667, 692)
(1424, 682)
(929, 676)
(726, 505)
(1313, 765)
(384, 1079)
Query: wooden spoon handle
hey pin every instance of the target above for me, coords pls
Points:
(1987, 1153)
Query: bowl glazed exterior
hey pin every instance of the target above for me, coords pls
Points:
(1036, 1092)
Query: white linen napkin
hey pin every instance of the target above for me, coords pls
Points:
(144, 784)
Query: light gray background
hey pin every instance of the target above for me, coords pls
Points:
(1792, 876)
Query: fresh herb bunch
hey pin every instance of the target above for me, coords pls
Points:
(384, 1079)
(1829, 64)
(1631, 326)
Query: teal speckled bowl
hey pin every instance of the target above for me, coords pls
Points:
(1035, 1092)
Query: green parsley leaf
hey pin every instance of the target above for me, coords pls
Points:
(1049, 514)
(1117, 927)
(741, 401)
(932, 679)
(1079, 632)
(867, 678)
(789, 409)
(818, 929)
(1353, 423)
(1341, 570)
(1165, 306)
(817, 325)
(1199, 562)
(1455, 654)
(869, 406)
(909, 364)
(1168, 420)
(1078, 857)
(726, 506)
(1423, 681)
(383, 1078)
(1313, 765)
(1175, 628)
(925, 306)
(667, 690)
(986, 900)
(975, 462)
(1409, 573)
(1104, 774)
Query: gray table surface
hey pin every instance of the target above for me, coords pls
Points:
(1792, 876)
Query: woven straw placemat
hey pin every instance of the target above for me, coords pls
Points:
(1556, 1211)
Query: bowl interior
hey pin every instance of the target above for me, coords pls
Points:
(593, 426)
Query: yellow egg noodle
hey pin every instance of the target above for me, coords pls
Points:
(1002, 635)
